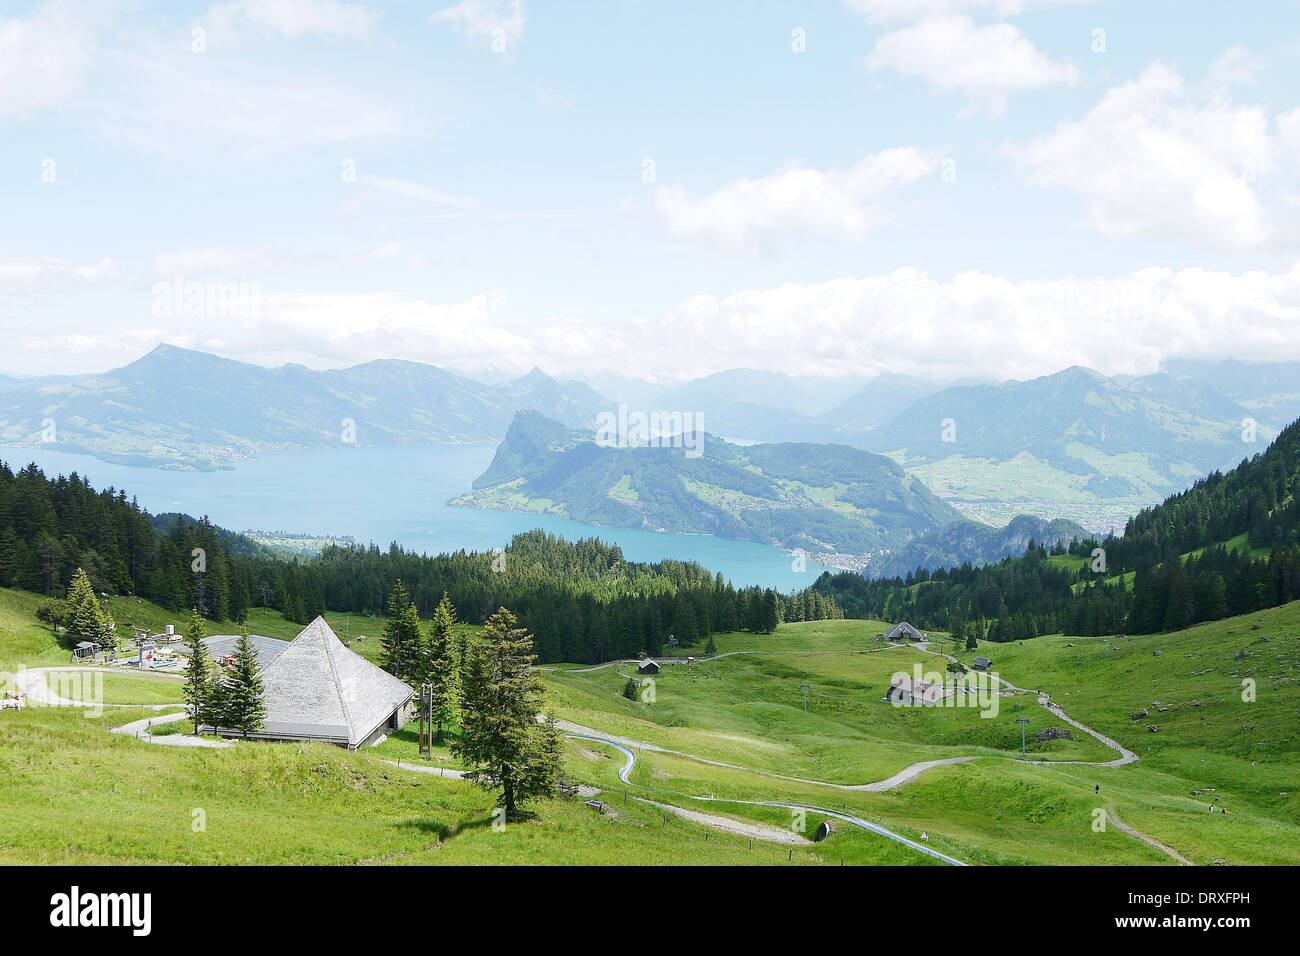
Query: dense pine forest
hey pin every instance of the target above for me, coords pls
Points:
(582, 600)
(1182, 571)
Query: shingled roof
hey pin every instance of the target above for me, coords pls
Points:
(317, 689)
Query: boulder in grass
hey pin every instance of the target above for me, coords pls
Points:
(1054, 733)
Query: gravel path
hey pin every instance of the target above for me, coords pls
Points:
(140, 730)
(742, 828)
(447, 772)
(31, 682)
(630, 762)
(1149, 841)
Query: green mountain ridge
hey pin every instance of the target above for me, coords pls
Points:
(841, 504)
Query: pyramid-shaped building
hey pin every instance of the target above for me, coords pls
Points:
(317, 689)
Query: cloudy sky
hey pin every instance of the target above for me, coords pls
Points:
(942, 187)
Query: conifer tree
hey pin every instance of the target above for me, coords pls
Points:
(86, 618)
(501, 739)
(442, 671)
(198, 692)
(401, 638)
(242, 706)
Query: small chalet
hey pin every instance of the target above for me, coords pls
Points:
(981, 663)
(647, 666)
(902, 631)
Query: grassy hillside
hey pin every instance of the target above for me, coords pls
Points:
(280, 803)
(1095, 451)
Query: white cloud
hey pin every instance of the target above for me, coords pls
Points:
(1152, 159)
(44, 57)
(24, 273)
(295, 18)
(1235, 66)
(955, 55)
(903, 321)
(908, 322)
(485, 22)
(751, 216)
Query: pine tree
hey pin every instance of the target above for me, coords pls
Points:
(242, 706)
(198, 692)
(84, 607)
(401, 638)
(769, 617)
(442, 670)
(507, 748)
(86, 618)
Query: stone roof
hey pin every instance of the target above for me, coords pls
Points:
(318, 689)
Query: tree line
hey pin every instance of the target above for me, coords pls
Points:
(582, 601)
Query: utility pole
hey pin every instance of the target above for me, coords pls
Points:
(1022, 721)
(805, 697)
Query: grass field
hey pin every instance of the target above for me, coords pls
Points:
(281, 803)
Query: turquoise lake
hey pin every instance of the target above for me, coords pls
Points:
(393, 493)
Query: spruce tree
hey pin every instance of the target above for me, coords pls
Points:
(86, 618)
(242, 706)
(401, 633)
(442, 671)
(501, 739)
(198, 692)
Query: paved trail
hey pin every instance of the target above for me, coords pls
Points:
(630, 762)
(140, 729)
(903, 776)
(33, 683)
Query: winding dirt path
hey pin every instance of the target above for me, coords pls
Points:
(1148, 840)
(33, 683)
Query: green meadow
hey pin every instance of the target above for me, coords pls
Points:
(718, 738)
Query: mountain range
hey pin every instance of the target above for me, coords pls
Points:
(184, 409)
(1074, 444)
(844, 506)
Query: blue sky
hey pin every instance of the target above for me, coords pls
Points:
(941, 187)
